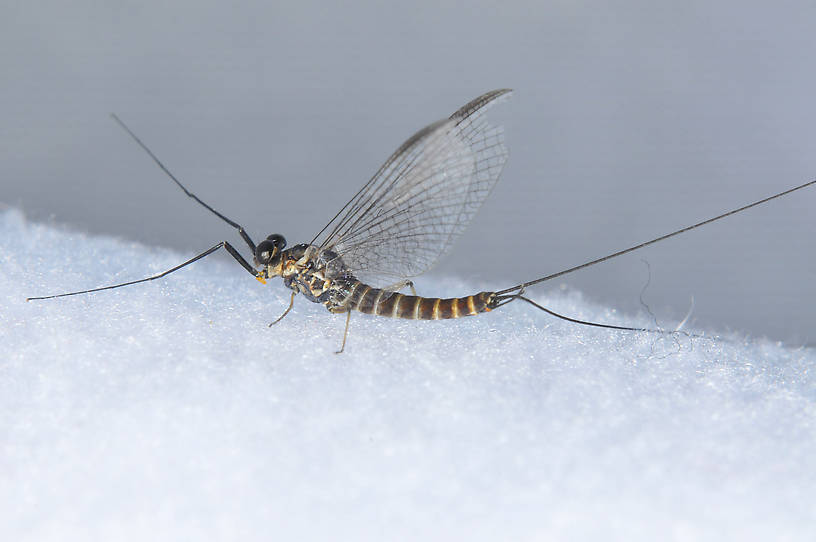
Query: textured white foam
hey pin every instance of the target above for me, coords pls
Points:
(170, 411)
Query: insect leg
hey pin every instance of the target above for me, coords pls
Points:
(234, 253)
(244, 235)
(291, 303)
(345, 333)
(400, 285)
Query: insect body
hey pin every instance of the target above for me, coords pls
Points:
(323, 278)
(397, 226)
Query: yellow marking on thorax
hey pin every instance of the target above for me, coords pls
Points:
(289, 268)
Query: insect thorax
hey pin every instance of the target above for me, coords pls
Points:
(320, 275)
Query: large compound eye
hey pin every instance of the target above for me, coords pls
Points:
(269, 248)
(278, 239)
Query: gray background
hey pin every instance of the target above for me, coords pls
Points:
(630, 119)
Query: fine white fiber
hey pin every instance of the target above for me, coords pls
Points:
(171, 411)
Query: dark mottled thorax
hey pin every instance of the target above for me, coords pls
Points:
(321, 276)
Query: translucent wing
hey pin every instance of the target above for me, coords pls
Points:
(421, 199)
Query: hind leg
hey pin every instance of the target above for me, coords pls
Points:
(400, 285)
(291, 303)
(345, 333)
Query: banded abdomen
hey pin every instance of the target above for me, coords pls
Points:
(369, 300)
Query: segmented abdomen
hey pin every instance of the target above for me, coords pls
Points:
(370, 300)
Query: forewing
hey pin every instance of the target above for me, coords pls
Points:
(423, 197)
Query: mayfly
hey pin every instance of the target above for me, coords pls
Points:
(397, 226)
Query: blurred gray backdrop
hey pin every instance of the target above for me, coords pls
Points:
(630, 119)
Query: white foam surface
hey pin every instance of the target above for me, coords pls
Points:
(170, 411)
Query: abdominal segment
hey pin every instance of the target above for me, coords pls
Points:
(369, 300)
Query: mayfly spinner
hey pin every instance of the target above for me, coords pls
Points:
(397, 225)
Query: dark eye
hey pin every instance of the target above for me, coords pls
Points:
(278, 239)
(269, 248)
